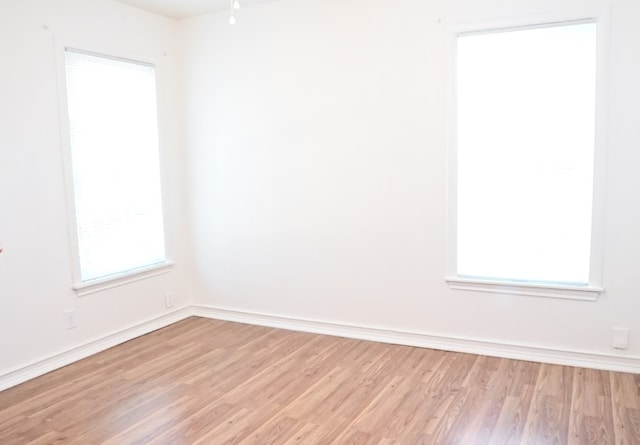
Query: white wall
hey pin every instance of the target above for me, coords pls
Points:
(316, 168)
(35, 267)
(316, 134)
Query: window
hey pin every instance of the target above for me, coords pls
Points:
(113, 136)
(524, 156)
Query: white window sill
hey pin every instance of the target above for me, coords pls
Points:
(116, 280)
(585, 293)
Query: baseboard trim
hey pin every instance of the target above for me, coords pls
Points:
(583, 359)
(36, 369)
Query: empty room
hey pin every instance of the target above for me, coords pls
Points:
(319, 222)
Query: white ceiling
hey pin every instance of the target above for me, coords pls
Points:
(180, 9)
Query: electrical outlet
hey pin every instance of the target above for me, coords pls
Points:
(70, 319)
(168, 299)
(620, 338)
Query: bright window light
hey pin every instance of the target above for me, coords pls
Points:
(525, 132)
(115, 162)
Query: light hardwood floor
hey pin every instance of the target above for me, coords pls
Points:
(203, 381)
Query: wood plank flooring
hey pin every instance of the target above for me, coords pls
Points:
(203, 381)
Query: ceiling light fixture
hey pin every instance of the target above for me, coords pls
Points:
(235, 4)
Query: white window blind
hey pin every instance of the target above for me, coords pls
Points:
(115, 162)
(525, 132)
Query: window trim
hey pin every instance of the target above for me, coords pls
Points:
(122, 278)
(595, 287)
(82, 288)
(547, 290)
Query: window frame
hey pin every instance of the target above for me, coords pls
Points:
(82, 288)
(595, 287)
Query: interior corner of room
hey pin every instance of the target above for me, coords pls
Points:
(304, 159)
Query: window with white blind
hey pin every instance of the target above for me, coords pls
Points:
(113, 138)
(523, 160)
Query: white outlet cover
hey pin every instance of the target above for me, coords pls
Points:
(620, 338)
(70, 319)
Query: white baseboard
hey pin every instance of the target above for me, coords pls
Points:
(583, 359)
(52, 363)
